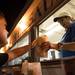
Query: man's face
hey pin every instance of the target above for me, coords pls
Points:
(3, 32)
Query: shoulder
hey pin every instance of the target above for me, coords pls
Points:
(3, 58)
(72, 25)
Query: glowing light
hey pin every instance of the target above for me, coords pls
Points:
(2, 50)
(9, 43)
(22, 24)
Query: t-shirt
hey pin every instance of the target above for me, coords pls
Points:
(3, 58)
(69, 36)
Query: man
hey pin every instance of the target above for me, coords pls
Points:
(65, 46)
(3, 38)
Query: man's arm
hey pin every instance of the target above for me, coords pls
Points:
(69, 46)
(18, 52)
(22, 50)
(66, 46)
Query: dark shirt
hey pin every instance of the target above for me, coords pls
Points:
(3, 58)
(69, 36)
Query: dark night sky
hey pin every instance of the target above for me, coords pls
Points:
(11, 10)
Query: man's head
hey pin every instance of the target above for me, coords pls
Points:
(3, 31)
(64, 19)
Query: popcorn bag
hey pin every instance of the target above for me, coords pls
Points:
(37, 43)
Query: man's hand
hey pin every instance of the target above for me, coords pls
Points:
(47, 45)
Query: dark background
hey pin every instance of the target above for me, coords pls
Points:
(12, 9)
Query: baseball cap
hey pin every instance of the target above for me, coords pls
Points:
(62, 15)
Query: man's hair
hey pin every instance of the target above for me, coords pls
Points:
(2, 15)
(58, 18)
(62, 15)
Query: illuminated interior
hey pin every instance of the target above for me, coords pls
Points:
(54, 31)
